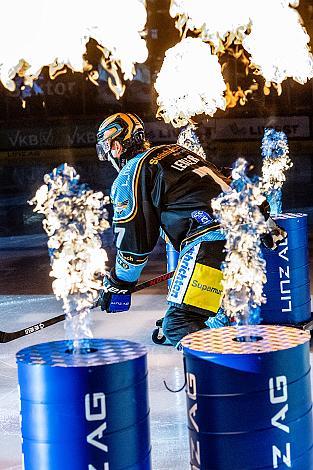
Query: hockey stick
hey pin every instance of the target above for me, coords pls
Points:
(5, 337)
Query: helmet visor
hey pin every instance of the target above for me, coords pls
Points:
(105, 154)
(103, 149)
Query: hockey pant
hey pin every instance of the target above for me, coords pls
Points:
(196, 290)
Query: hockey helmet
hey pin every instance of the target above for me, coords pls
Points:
(127, 128)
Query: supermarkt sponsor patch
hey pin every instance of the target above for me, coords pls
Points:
(200, 286)
(205, 288)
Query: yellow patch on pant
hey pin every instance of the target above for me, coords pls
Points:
(205, 288)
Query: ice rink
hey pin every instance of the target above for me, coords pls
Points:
(27, 300)
(168, 410)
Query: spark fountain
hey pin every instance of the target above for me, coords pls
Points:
(247, 387)
(188, 138)
(83, 399)
(276, 161)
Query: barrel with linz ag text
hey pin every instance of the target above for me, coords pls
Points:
(84, 410)
(287, 268)
(248, 396)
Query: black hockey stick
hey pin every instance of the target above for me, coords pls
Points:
(5, 337)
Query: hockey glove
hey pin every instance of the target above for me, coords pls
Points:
(274, 236)
(115, 295)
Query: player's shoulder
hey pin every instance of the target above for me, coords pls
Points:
(161, 153)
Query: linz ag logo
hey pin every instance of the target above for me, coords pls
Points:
(278, 392)
(95, 411)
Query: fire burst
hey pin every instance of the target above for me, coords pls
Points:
(268, 37)
(55, 34)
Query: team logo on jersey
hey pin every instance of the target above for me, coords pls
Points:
(121, 206)
(201, 217)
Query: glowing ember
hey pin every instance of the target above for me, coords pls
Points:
(74, 217)
(190, 82)
(55, 34)
(244, 267)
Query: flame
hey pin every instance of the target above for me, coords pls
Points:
(182, 83)
(273, 42)
(56, 35)
(232, 97)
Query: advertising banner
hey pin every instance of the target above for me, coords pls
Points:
(82, 135)
(228, 129)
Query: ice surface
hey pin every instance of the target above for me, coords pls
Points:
(170, 448)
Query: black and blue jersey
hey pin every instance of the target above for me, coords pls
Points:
(160, 188)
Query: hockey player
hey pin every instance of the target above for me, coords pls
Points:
(170, 188)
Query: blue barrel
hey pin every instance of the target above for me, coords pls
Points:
(249, 400)
(172, 259)
(85, 410)
(288, 276)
